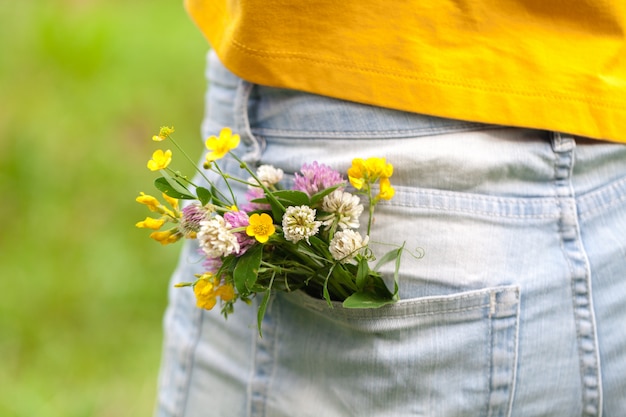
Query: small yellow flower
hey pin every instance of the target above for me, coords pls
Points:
(160, 160)
(204, 292)
(226, 292)
(261, 227)
(164, 132)
(369, 170)
(386, 190)
(152, 203)
(171, 201)
(220, 146)
(378, 167)
(364, 173)
(357, 173)
(150, 223)
(166, 237)
(208, 288)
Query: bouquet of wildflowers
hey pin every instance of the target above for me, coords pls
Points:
(303, 238)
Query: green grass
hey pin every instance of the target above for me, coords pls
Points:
(83, 86)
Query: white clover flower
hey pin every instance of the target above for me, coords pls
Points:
(344, 208)
(299, 223)
(216, 239)
(268, 175)
(346, 244)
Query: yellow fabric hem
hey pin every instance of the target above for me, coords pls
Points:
(595, 110)
(422, 94)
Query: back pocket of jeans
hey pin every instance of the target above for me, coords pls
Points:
(452, 355)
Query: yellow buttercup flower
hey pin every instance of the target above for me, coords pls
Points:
(160, 160)
(164, 132)
(150, 223)
(261, 227)
(152, 203)
(220, 146)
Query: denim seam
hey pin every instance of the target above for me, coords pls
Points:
(493, 213)
(505, 200)
(503, 330)
(189, 360)
(371, 134)
(276, 325)
(470, 294)
(264, 364)
(546, 206)
(242, 123)
(251, 379)
(613, 191)
(489, 388)
(478, 212)
(515, 356)
(576, 258)
(421, 314)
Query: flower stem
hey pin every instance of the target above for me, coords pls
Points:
(191, 161)
(230, 190)
(268, 193)
(371, 210)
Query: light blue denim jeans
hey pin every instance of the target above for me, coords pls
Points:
(517, 307)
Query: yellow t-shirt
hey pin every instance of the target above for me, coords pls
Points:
(546, 64)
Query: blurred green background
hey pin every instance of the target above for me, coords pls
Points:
(83, 87)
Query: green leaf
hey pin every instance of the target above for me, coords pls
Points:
(261, 312)
(214, 193)
(292, 197)
(204, 195)
(163, 185)
(246, 270)
(390, 256)
(175, 183)
(325, 288)
(263, 305)
(320, 245)
(277, 207)
(393, 255)
(367, 300)
(362, 273)
(281, 198)
(317, 197)
(396, 274)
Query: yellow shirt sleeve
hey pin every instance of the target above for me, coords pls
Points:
(541, 64)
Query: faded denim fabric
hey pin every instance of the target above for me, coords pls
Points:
(517, 307)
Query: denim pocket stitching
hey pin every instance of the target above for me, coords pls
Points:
(387, 312)
(296, 134)
(465, 202)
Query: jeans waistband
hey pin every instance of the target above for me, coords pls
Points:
(434, 155)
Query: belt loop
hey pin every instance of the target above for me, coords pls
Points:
(562, 143)
(242, 123)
